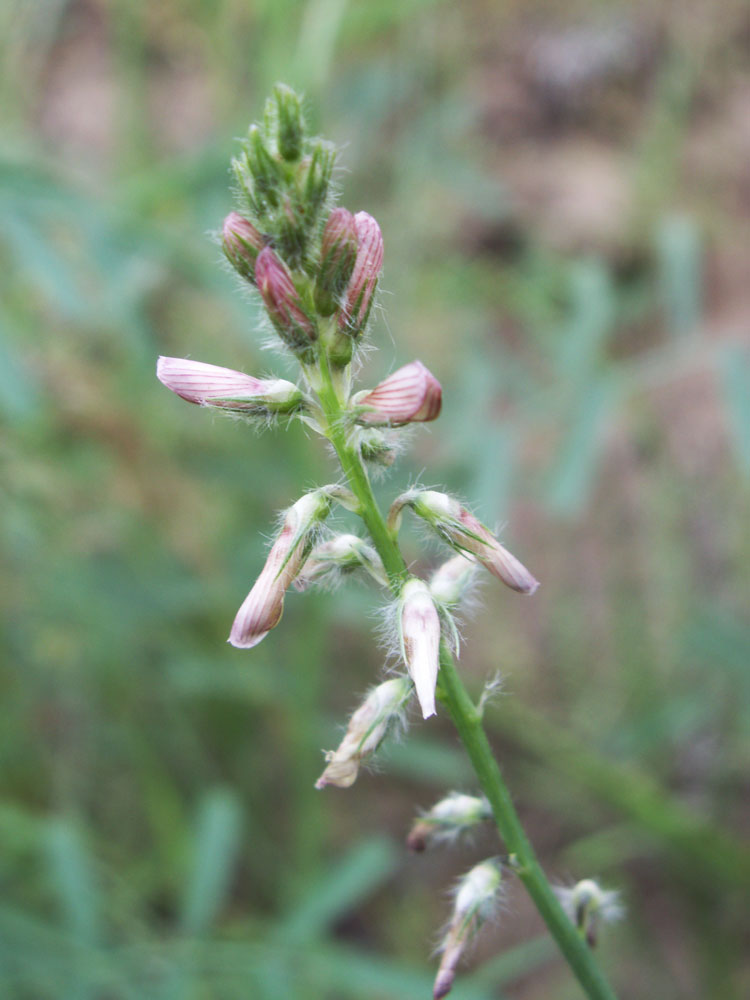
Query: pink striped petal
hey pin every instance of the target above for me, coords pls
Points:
(411, 394)
(210, 385)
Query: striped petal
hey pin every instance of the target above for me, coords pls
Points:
(410, 395)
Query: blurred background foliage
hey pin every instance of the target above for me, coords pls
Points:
(565, 202)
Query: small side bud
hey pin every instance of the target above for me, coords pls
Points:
(338, 252)
(319, 171)
(477, 897)
(381, 710)
(290, 128)
(448, 819)
(419, 632)
(340, 554)
(264, 605)
(410, 395)
(225, 389)
(451, 581)
(588, 906)
(358, 299)
(241, 243)
(283, 303)
(262, 169)
(460, 529)
(375, 447)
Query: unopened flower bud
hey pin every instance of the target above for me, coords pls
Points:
(225, 389)
(290, 129)
(375, 447)
(340, 554)
(464, 532)
(451, 581)
(448, 819)
(241, 243)
(319, 171)
(338, 253)
(410, 395)
(262, 170)
(477, 897)
(262, 608)
(358, 298)
(283, 303)
(382, 708)
(588, 905)
(419, 632)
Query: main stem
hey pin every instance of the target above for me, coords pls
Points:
(463, 711)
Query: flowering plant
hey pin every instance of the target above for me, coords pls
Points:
(317, 268)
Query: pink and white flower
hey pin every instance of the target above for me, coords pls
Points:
(382, 708)
(211, 385)
(264, 605)
(367, 267)
(241, 242)
(419, 633)
(282, 299)
(457, 526)
(410, 395)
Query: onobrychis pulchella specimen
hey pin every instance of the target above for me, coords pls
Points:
(316, 269)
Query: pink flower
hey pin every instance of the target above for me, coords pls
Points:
(241, 242)
(282, 299)
(411, 394)
(338, 254)
(262, 608)
(368, 265)
(419, 630)
(457, 526)
(210, 385)
(380, 711)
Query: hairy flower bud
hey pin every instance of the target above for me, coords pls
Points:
(477, 896)
(448, 819)
(283, 303)
(262, 608)
(460, 529)
(410, 395)
(342, 554)
(451, 581)
(419, 632)
(241, 243)
(358, 298)
(225, 389)
(375, 447)
(338, 253)
(290, 128)
(368, 727)
(587, 905)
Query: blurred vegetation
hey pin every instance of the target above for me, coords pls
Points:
(565, 205)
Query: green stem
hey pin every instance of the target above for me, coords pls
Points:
(466, 717)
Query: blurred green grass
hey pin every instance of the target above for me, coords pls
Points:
(159, 832)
